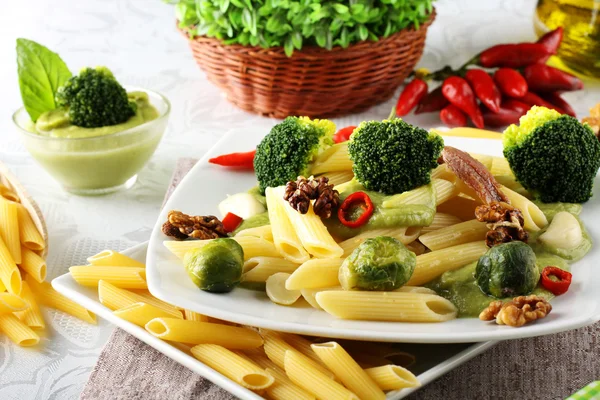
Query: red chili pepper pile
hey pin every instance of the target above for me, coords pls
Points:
(495, 88)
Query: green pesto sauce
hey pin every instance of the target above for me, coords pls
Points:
(253, 222)
(551, 209)
(255, 191)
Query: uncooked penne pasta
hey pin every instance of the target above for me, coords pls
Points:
(252, 246)
(9, 194)
(17, 331)
(339, 177)
(387, 306)
(263, 232)
(392, 377)
(111, 258)
(258, 269)
(9, 273)
(431, 265)
(195, 332)
(10, 303)
(194, 316)
(461, 207)
(335, 158)
(33, 264)
(441, 220)
(348, 371)
(29, 235)
(302, 373)
(9, 228)
(534, 218)
(464, 232)
(233, 366)
(284, 389)
(2, 287)
(403, 234)
(46, 295)
(315, 273)
(286, 239)
(123, 277)
(31, 316)
(258, 357)
(141, 313)
(116, 298)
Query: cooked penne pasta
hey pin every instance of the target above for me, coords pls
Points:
(33, 264)
(460, 207)
(302, 373)
(315, 273)
(416, 247)
(415, 289)
(9, 273)
(116, 298)
(123, 277)
(194, 316)
(431, 265)
(441, 220)
(262, 232)
(233, 366)
(339, 177)
(11, 302)
(464, 232)
(252, 246)
(511, 182)
(284, 389)
(195, 332)
(9, 194)
(443, 172)
(141, 313)
(17, 331)
(444, 190)
(484, 159)
(29, 235)
(111, 258)
(310, 295)
(284, 235)
(258, 269)
(403, 234)
(46, 295)
(500, 166)
(534, 218)
(392, 377)
(335, 158)
(9, 228)
(348, 371)
(2, 288)
(31, 316)
(387, 306)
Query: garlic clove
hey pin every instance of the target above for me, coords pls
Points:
(564, 232)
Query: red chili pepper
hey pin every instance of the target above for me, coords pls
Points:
(515, 105)
(485, 88)
(503, 117)
(343, 135)
(453, 117)
(237, 160)
(433, 101)
(231, 222)
(511, 82)
(544, 78)
(555, 99)
(534, 100)
(356, 199)
(551, 41)
(459, 93)
(559, 286)
(412, 94)
(513, 55)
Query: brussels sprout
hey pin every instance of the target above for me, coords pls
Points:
(381, 263)
(507, 270)
(216, 267)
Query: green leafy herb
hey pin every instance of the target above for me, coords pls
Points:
(41, 73)
(293, 24)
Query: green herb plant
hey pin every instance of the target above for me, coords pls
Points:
(293, 24)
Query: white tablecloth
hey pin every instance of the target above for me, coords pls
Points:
(137, 39)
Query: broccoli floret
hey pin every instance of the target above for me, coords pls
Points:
(286, 152)
(554, 156)
(393, 156)
(94, 99)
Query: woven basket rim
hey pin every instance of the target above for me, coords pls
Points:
(311, 50)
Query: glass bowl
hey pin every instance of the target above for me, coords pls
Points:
(100, 164)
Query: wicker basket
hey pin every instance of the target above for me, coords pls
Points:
(314, 82)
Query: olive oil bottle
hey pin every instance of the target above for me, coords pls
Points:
(580, 19)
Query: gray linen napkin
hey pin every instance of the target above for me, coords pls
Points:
(547, 367)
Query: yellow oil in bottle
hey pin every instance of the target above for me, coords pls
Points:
(580, 19)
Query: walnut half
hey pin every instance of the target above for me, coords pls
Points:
(181, 226)
(517, 312)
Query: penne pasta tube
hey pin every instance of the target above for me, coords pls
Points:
(534, 218)
(122, 277)
(233, 366)
(392, 377)
(10, 303)
(484, 159)
(17, 331)
(262, 232)
(29, 235)
(302, 373)
(310, 295)
(258, 357)
(301, 344)
(111, 258)
(333, 159)
(141, 313)
(339, 177)
(194, 316)
(258, 269)
(387, 306)
(284, 388)
(33, 264)
(415, 289)
(348, 371)
(195, 332)
(464, 232)
(460, 207)
(278, 293)
(9, 194)
(252, 246)
(46, 295)
(2, 288)
(441, 220)
(116, 298)
(405, 235)
(315, 273)
(500, 166)
(431, 265)
(32, 316)
(444, 190)
(9, 228)
(9, 273)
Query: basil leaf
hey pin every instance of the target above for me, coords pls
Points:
(41, 73)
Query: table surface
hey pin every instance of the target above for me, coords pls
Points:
(137, 39)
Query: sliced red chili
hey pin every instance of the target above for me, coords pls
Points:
(231, 222)
(237, 160)
(559, 286)
(356, 199)
(343, 135)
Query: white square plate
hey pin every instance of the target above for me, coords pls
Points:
(206, 185)
(432, 361)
